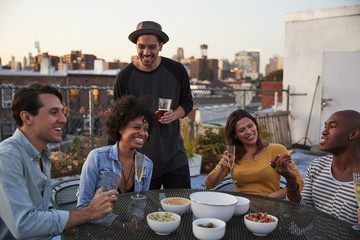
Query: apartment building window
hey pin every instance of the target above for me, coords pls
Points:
(7, 95)
(95, 94)
(74, 98)
(110, 97)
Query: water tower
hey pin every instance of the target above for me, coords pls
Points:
(203, 48)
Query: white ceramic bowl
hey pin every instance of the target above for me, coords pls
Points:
(176, 205)
(242, 206)
(213, 205)
(161, 227)
(259, 228)
(204, 233)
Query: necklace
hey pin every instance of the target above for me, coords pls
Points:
(126, 180)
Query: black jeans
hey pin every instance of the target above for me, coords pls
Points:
(179, 178)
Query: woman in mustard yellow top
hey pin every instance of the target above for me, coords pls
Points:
(251, 168)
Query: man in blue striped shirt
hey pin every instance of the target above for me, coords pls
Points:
(25, 183)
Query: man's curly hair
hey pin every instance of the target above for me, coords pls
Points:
(125, 110)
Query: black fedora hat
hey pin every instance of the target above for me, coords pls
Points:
(148, 27)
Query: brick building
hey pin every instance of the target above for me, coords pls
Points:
(268, 97)
(75, 88)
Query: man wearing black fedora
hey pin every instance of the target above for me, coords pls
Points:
(152, 77)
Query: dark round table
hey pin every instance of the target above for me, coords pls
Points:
(295, 220)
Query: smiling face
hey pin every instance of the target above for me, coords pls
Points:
(47, 125)
(134, 135)
(246, 132)
(148, 48)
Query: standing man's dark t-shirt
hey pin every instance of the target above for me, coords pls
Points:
(170, 80)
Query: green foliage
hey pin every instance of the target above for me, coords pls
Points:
(264, 133)
(211, 142)
(275, 76)
(189, 142)
(206, 75)
(190, 147)
(70, 161)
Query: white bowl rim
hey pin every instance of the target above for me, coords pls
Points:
(211, 204)
(246, 200)
(222, 222)
(176, 215)
(276, 219)
(189, 201)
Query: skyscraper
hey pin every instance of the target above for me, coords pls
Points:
(248, 61)
(180, 53)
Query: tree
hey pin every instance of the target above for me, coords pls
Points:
(206, 75)
(275, 76)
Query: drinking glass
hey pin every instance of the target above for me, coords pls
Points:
(164, 106)
(109, 181)
(231, 153)
(139, 169)
(356, 179)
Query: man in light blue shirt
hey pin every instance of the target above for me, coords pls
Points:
(25, 183)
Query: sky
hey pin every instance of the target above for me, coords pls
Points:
(102, 27)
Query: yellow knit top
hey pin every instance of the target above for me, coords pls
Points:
(257, 176)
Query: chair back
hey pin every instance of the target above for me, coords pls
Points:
(229, 187)
(64, 194)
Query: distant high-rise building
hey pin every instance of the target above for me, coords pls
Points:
(224, 69)
(197, 66)
(78, 61)
(180, 53)
(36, 64)
(224, 64)
(12, 63)
(275, 63)
(37, 51)
(248, 61)
(116, 64)
(28, 60)
(204, 68)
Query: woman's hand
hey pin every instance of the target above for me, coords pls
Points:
(225, 161)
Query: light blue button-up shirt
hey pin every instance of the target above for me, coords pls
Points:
(106, 159)
(25, 192)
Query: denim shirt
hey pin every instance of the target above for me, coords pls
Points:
(106, 159)
(25, 192)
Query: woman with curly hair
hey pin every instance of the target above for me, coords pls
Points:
(251, 168)
(129, 124)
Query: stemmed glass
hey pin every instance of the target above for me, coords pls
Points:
(231, 153)
(356, 179)
(139, 169)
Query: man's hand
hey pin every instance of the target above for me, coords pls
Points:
(171, 115)
(168, 117)
(102, 202)
(100, 205)
(283, 167)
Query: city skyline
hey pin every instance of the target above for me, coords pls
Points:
(227, 27)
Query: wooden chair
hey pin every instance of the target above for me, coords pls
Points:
(64, 194)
